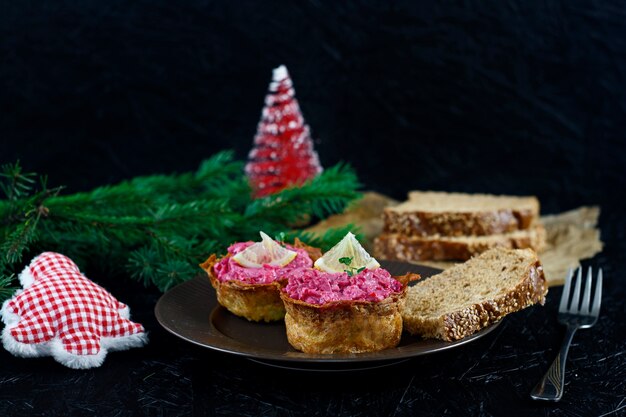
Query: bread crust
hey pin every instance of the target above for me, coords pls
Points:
(458, 324)
(393, 246)
(479, 223)
(344, 326)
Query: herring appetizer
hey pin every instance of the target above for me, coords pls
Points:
(346, 304)
(248, 278)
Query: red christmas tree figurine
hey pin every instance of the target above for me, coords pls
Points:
(283, 152)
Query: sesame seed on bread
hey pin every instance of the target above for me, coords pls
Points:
(470, 296)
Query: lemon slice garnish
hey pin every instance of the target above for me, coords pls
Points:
(346, 256)
(265, 252)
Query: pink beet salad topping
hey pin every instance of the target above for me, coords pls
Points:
(317, 287)
(227, 269)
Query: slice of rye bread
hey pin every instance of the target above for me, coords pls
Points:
(458, 214)
(393, 246)
(470, 296)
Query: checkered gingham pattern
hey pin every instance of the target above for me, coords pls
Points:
(63, 303)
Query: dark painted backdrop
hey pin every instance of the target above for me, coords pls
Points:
(504, 97)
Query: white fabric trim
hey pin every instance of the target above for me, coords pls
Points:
(55, 349)
(75, 361)
(23, 350)
(124, 342)
(26, 277)
(8, 317)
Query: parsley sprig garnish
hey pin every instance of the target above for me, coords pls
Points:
(351, 271)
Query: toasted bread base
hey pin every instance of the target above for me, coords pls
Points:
(344, 326)
(255, 302)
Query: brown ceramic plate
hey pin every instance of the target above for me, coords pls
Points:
(191, 312)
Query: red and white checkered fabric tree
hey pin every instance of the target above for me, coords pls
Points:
(61, 313)
(283, 152)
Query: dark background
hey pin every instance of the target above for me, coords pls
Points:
(503, 97)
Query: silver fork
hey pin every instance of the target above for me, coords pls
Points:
(577, 316)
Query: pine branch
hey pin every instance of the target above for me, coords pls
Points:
(220, 164)
(143, 264)
(203, 213)
(147, 263)
(213, 215)
(158, 228)
(135, 195)
(174, 272)
(219, 170)
(7, 282)
(18, 241)
(16, 184)
(328, 193)
(26, 212)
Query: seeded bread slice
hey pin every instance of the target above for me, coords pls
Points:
(393, 246)
(457, 214)
(470, 296)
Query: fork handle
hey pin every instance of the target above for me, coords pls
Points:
(550, 387)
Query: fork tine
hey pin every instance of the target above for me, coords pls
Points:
(584, 307)
(573, 308)
(565, 295)
(597, 297)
